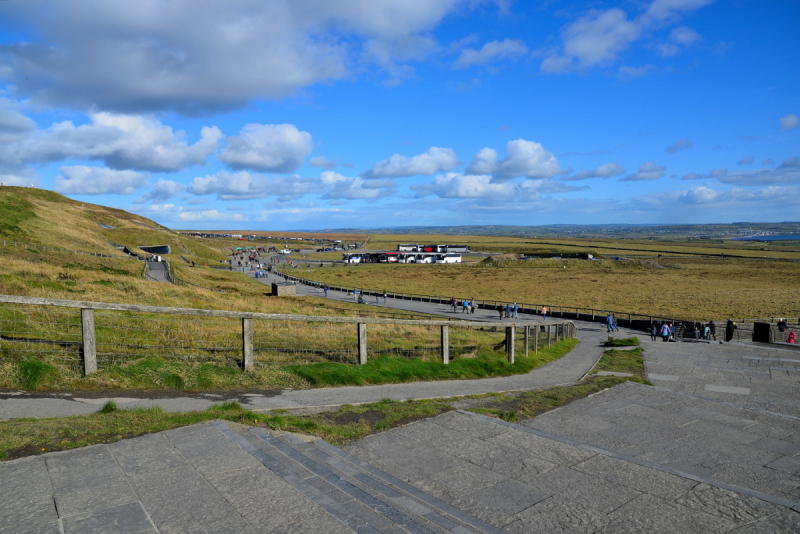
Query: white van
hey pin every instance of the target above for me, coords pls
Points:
(284, 251)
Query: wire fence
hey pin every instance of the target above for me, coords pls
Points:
(70, 333)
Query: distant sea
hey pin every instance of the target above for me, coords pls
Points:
(788, 237)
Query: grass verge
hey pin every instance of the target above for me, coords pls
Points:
(626, 342)
(623, 361)
(394, 370)
(28, 437)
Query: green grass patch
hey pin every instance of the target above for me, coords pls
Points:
(514, 407)
(626, 342)
(623, 361)
(395, 370)
(33, 372)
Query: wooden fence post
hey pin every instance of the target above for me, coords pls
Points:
(247, 343)
(549, 327)
(557, 326)
(89, 347)
(527, 335)
(445, 344)
(536, 339)
(510, 332)
(362, 343)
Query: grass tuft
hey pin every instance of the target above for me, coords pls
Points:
(109, 407)
(32, 372)
(626, 342)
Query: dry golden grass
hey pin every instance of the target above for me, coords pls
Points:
(698, 289)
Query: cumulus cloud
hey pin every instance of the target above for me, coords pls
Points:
(163, 190)
(747, 160)
(244, 186)
(323, 162)
(710, 198)
(683, 144)
(768, 161)
(272, 148)
(679, 37)
(198, 56)
(791, 163)
(209, 215)
(598, 37)
(606, 170)
(647, 171)
(82, 180)
(460, 186)
(790, 121)
(525, 158)
(492, 51)
(121, 142)
(355, 188)
(434, 160)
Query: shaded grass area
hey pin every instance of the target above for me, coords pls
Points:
(28, 437)
(394, 370)
(626, 342)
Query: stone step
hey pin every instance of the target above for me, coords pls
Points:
(377, 512)
(399, 491)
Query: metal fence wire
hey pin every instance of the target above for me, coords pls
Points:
(39, 332)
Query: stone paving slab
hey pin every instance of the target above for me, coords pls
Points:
(570, 488)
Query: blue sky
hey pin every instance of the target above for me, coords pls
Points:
(311, 114)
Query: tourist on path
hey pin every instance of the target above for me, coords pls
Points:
(508, 310)
(614, 323)
(609, 323)
(473, 305)
(514, 309)
(325, 289)
(729, 328)
(500, 310)
(664, 332)
(465, 307)
(712, 329)
(384, 296)
(453, 304)
(653, 331)
(544, 313)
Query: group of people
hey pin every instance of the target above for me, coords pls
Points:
(359, 296)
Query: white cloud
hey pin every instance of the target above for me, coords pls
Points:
(747, 160)
(119, 141)
(786, 173)
(162, 190)
(81, 180)
(711, 198)
(209, 215)
(790, 121)
(197, 56)
(598, 37)
(323, 162)
(273, 148)
(647, 171)
(492, 51)
(606, 170)
(679, 37)
(683, 144)
(434, 160)
(525, 158)
(244, 185)
(628, 73)
(461, 186)
(355, 188)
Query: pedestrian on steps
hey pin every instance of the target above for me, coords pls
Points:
(653, 331)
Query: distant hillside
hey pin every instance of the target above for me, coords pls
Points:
(37, 216)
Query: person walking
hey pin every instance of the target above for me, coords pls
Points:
(508, 310)
(544, 313)
(453, 304)
(465, 307)
(712, 330)
(653, 331)
(609, 323)
(664, 332)
(325, 289)
(514, 308)
(500, 310)
(473, 306)
(355, 294)
(377, 298)
(614, 323)
(706, 332)
(729, 328)
(384, 296)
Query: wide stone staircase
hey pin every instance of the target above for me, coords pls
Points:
(360, 495)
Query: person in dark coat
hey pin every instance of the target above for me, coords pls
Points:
(653, 331)
(712, 330)
(729, 328)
